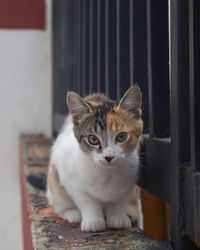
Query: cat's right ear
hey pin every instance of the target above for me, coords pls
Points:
(77, 106)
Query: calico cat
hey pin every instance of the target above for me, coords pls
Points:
(95, 160)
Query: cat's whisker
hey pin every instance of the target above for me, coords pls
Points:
(146, 168)
(146, 158)
(148, 155)
(94, 169)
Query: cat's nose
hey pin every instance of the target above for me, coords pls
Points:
(109, 158)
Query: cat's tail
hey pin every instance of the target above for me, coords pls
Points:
(38, 181)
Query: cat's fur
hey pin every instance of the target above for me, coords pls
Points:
(88, 183)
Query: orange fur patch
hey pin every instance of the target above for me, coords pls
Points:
(49, 213)
(53, 184)
(93, 96)
(68, 119)
(94, 104)
(119, 121)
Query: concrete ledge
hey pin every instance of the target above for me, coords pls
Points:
(43, 229)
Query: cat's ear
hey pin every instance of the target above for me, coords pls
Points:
(131, 102)
(77, 105)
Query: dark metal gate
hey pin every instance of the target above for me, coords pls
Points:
(106, 45)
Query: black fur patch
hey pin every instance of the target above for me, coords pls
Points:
(38, 181)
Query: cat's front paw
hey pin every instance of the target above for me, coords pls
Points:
(72, 215)
(118, 221)
(93, 224)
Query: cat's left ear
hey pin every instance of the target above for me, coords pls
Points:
(131, 102)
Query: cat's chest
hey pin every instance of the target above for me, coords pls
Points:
(109, 187)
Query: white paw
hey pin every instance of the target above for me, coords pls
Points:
(93, 224)
(72, 215)
(119, 221)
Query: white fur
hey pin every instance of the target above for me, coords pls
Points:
(98, 189)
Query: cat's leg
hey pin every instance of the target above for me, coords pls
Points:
(91, 212)
(64, 206)
(60, 199)
(116, 214)
(73, 215)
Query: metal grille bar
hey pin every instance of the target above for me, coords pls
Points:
(98, 45)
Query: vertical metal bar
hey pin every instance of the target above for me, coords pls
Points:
(158, 68)
(83, 48)
(123, 46)
(106, 47)
(149, 64)
(91, 48)
(55, 65)
(138, 70)
(102, 45)
(75, 47)
(197, 80)
(174, 80)
(87, 46)
(112, 48)
(98, 45)
(118, 48)
(79, 46)
(191, 80)
(131, 44)
(63, 53)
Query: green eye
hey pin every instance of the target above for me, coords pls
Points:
(121, 137)
(93, 139)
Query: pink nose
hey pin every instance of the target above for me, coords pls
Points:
(109, 158)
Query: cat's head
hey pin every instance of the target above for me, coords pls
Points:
(108, 132)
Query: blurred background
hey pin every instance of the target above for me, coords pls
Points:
(25, 99)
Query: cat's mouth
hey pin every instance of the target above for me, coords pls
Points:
(107, 165)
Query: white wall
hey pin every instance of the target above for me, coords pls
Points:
(25, 107)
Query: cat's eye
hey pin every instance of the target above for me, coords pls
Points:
(121, 137)
(93, 139)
